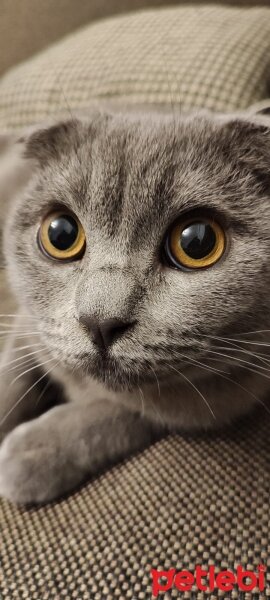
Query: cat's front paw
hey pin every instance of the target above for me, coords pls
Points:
(30, 468)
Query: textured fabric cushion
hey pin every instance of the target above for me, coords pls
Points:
(210, 56)
(41, 22)
(183, 502)
(186, 500)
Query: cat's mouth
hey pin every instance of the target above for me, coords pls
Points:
(126, 373)
(115, 374)
(121, 373)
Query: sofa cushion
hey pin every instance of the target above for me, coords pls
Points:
(185, 501)
(43, 22)
(194, 56)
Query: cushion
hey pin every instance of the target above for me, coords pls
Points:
(43, 22)
(183, 502)
(187, 500)
(194, 56)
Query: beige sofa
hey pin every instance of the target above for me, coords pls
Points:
(27, 26)
(188, 500)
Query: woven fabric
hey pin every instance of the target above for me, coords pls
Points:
(184, 501)
(196, 56)
(41, 22)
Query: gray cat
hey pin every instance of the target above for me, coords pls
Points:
(138, 252)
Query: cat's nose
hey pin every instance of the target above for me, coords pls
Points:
(104, 333)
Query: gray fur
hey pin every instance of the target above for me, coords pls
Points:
(127, 176)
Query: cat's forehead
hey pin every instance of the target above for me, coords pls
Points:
(115, 170)
(130, 166)
(138, 172)
(128, 163)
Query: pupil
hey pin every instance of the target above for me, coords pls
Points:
(63, 232)
(198, 240)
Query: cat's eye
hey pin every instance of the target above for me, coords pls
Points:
(61, 236)
(194, 243)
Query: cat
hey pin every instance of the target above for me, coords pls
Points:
(137, 249)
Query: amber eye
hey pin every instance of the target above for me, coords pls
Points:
(62, 237)
(195, 243)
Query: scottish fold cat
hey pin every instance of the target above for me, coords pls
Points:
(137, 247)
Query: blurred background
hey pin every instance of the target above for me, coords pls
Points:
(27, 26)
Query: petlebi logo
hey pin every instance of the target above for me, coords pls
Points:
(208, 580)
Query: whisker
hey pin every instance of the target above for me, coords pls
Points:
(236, 359)
(4, 326)
(142, 401)
(42, 393)
(17, 331)
(17, 337)
(220, 374)
(197, 362)
(235, 348)
(25, 393)
(195, 388)
(156, 411)
(20, 358)
(160, 418)
(265, 355)
(11, 315)
(238, 363)
(256, 331)
(230, 342)
(25, 347)
(28, 370)
(256, 343)
(73, 121)
(158, 386)
(19, 365)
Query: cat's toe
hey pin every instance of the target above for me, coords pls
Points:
(25, 465)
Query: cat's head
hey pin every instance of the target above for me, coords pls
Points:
(142, 238)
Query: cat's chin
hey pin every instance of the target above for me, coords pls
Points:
(116, 382)
(115, 375)
(119, 380)
(120, 375)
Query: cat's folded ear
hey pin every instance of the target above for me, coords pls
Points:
(50, 141)
(246, 139)
(23, 152)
